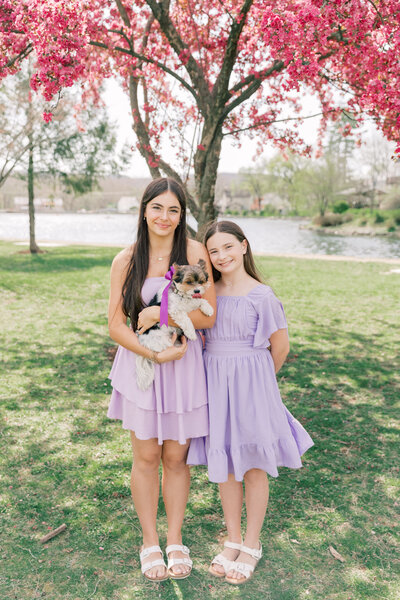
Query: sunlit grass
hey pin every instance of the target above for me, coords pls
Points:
(63, 461)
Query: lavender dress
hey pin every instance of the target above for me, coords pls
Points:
(250, 427)
(175, 406)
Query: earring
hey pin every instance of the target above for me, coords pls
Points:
(144, 218)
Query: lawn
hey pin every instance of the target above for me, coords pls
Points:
(63, 461)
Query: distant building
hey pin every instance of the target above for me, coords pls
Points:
(362, 196)
(244, 200)
(21, 203)
(127, 203)
(230, 200)
(280, 205)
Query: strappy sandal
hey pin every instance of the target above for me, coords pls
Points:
(178, 561)
(245, 568)
(224, 562)
(154, 563)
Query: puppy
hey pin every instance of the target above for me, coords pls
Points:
(188, 284)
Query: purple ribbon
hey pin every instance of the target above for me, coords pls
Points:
(164, 298)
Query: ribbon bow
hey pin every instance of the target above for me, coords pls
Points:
(164, 298)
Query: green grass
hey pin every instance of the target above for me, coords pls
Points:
(63, 461)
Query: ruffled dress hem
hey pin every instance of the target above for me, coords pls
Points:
(282, 453)
(150, 424)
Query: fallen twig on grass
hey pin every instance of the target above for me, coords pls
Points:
(336, 554)
(53, 533)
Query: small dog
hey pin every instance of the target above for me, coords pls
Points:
(188, 284)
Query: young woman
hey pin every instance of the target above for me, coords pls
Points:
(164, 418)
(251, 431)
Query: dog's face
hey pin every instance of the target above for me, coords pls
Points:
(191, 280)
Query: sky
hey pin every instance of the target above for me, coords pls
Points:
(232, 158)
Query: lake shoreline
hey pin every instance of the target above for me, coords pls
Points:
(330, 257)
(273, 236)
(349, 231)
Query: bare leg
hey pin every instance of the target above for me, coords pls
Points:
(231, 493)
(145, 491)
(175, 488)
(257, 491)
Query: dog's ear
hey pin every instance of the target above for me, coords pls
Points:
(202, 263)
(178, 273)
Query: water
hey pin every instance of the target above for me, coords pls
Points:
(267, 236)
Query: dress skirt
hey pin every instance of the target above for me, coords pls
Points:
(250, 427)
(175, 406)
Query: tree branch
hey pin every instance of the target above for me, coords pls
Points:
(23, 54)
(160, 12)
(4, 177)
(222, 82)
(147, 59)
(377, 11)
(278, 65)
(262, 123)
(153, 162)
(242, 84)
(123, 13)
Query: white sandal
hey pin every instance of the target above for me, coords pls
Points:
(245, 568)
(154, 563)
(221, 560)
(178, 561)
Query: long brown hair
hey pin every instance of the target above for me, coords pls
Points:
(138, 267)
(233, 229)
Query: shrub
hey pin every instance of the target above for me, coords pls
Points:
(331, 219)
(391, 229)
(340, 207)
(396, 216)
(379, 218)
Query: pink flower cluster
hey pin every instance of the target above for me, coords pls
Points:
(346, 53)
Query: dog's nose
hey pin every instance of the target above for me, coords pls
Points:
(197, 291)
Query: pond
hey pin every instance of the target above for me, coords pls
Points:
(267, 235)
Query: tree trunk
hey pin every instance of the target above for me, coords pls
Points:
(206, 171)
(33, 247)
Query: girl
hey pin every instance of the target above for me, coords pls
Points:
(164, 418)
(251, 431)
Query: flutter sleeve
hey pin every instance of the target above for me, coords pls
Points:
(271, 317)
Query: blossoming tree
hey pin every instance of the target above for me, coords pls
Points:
(198, 71)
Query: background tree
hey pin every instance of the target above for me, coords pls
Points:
(255, 181)
(198, 71)
(376, 157)
(286, 177)
(77, 152)
(13, 142)
(322, 183)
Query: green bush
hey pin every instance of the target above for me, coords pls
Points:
(379, 217)
(396, 216)
(330, 219)
(391, 229)
(340, 207)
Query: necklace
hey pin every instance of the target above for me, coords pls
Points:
(158, 257)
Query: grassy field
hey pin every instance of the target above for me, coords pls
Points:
(63, 461)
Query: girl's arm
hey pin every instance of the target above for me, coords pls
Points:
(279, 347)
(196, 251)
(117, 327)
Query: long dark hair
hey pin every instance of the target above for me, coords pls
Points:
(233, 229)
(138, 267)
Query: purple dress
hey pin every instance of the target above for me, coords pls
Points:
(250, 427)
(175, 406)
